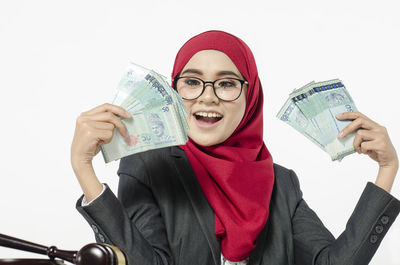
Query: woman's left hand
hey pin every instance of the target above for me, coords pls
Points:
(371, 139)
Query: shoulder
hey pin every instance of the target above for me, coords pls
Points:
(285, 175)
(286, 183)
(150, 156)
(143, 164)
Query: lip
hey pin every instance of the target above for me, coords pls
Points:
(206, 125)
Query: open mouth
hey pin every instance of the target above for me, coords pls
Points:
(208, 117)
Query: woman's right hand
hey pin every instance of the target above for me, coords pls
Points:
(94, 128)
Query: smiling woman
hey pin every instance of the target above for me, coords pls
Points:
(211, 119)
(220, 199)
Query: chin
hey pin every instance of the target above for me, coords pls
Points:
(204, 141)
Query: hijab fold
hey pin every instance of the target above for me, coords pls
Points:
(236, 176)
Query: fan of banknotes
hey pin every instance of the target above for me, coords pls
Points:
(158, 114)
(311, 110)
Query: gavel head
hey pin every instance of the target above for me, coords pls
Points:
(100, 254)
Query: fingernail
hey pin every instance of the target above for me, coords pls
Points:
(341, 135)
(338, 115)
(128, 114)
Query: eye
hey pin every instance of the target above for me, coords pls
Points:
(227, 83)
(192, 82)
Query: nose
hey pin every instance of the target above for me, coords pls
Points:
(208, 94)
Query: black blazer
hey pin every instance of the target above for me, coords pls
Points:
(161, 216)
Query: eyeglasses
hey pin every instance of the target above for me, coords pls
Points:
(226, 89)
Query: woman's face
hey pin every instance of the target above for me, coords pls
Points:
(210, 65)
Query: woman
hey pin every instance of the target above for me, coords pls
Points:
(220, 198)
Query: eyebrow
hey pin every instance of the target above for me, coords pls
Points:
(196, 71)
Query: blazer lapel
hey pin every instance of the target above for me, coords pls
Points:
(202, 208)
(257, 253)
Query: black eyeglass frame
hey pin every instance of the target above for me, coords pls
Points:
(175, 81)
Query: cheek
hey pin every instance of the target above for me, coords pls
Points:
(236, 114)
(188, 105)
(240, 110)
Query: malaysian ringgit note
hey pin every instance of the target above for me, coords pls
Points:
(312, 111)
(158, 114)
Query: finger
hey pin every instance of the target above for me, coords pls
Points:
(350, 115)
(103, 136)
(111, 118)
(362, 136)
(102, 125)
(368, 146)
(107, 107)
(360, 122)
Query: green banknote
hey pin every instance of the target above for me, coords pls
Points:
(312, 111)
(293, 116)
(176, 99)
(158, 114)
(149, 129)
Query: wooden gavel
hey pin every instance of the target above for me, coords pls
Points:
(91, 254)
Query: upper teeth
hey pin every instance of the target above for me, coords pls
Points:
(209, 114)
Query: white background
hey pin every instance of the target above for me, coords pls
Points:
(58, 59)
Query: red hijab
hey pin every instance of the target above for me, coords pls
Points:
(236, 176)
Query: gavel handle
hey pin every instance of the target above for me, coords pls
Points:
(16, 243)
(52, 252)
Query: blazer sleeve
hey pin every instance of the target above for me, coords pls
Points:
(132, 222)
(373, 215)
